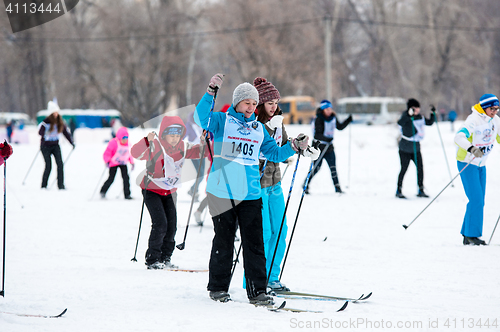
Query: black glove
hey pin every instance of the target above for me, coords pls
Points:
(433, 109)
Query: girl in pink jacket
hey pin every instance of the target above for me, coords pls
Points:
(117, 155)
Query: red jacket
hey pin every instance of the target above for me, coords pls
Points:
(141, 151)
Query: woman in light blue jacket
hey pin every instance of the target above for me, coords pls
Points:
(233, 187)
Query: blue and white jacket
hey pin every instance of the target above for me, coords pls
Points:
(235, 172)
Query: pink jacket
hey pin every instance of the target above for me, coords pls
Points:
(117, 154)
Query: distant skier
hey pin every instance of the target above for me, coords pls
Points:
(117, 155)
(412, 124)
(50, 129)
(160, 184)
(325, 124)
(476, 139)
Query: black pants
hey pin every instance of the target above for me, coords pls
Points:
(330, 159)
(248, 214)
(164, 225)
(111, 178)
(405, 158)
(47, 151)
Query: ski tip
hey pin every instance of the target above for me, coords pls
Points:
(344, 306)
(367, 296)
(62, 313)
(282, 305)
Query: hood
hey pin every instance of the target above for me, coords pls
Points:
(166, 122)
(121, 132)
(479, 109)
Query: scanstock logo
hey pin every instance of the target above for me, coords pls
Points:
(26, 14)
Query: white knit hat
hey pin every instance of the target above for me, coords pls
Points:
(245, 91)
(53, 107)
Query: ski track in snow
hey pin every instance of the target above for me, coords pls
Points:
(67, 251)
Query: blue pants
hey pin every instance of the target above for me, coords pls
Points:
(474, 182)
(273, 208)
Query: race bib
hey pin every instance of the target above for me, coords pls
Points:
(242, 141)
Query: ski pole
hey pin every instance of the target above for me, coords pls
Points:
(182, 245)
(32, 163)
(283, 219)
(493, 230)
(406, 226)
(99, 182)
(349, 161)
(64, 163)
(442, 145)
(149, 163)
(2, 292)
(311, 168)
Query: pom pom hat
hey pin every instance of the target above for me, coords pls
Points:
(245, 91)
(267, 90)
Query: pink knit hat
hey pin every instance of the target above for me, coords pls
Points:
(266, 90)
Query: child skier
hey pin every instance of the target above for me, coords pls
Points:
(165, 155)
(233, 187)
(117, 155)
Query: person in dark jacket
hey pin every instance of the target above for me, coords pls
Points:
(324, 128)
(412, 125)
(51, 129)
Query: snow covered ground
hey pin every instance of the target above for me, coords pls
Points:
(65, 250)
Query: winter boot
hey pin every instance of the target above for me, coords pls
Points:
(421, 193)
(474, 241)
(261, 299)
(220, 296)
(156, 266)
(399, 194)
(277, 286)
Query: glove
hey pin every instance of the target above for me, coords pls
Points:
(300, 143)
(433, 109)
(411, 111)
(5, 150)
(276, 122)
(476, 151)
(107, 165)
(132, 167)
(289, 161)
(215, 83)
(311, 152)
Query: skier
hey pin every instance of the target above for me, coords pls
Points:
(160, 184)
(50, 130)
(273, 202)
(233, 188)
(117, 155)
(475, 140)
(412, 125)
(324, 128)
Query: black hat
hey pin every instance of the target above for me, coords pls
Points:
(412, 103)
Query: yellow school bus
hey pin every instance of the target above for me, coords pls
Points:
(298, 109)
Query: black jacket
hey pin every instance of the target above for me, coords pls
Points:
(319, 128)
(408, 130)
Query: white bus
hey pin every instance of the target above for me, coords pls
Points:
(372, 110)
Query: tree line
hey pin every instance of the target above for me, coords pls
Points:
(143, 57)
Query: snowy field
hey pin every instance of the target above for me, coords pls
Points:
(66, 250)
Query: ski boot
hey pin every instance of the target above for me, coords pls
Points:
(220, 296)
(474, 241)
(421, 193)
(261, 299)
(276, 286)
(399, 194)
(156, 266)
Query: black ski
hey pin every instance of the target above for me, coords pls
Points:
(29, 315)
(310, 296)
